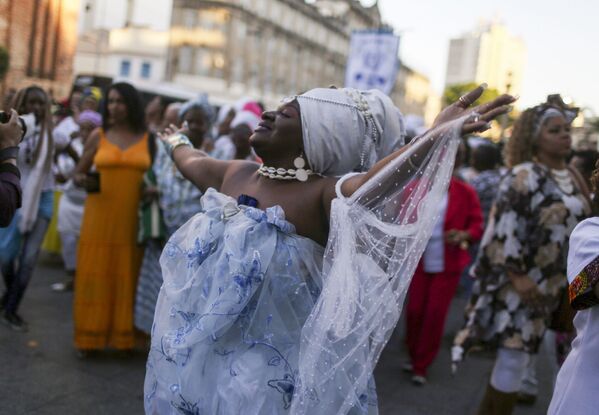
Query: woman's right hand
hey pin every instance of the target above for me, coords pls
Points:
(172, 130)
(525, 287)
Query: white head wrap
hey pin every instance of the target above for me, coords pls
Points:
(546, 113)
(222, 113)
(202, 103)
(584, 246)
(347, 130)
(246, 117)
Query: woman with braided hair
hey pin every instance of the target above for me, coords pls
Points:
(521, 266)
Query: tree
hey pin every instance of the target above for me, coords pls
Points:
(454, 92)
(4, 62)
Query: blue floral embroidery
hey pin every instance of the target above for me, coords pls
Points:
(273, 215)
(201, 250)
(230, 294)
(286, 386)
(186, 408)
(223, 352)
(245, 281)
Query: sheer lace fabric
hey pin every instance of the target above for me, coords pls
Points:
(376, 239)
(254, 319)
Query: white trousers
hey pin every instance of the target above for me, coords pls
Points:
(69, 241)
(509, 370)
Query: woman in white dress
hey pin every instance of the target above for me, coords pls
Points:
(577, 382)
(256, 315)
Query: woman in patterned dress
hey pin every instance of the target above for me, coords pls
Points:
(521, 267)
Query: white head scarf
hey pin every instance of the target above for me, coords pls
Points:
(546, 113)
(202, 103)
(347, 130)
(584, 246)
(222, 113)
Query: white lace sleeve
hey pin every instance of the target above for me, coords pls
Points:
(376, 239)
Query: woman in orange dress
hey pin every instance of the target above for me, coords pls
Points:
(109, 257)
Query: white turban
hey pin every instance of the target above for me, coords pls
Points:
(347, 130)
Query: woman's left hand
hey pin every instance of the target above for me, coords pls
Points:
(482, 114)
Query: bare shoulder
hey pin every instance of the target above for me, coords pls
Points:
(328, 184)
(240, 167)
(328, 192)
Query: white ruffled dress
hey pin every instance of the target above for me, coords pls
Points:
(239, 284)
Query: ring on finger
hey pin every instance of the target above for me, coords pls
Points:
(464, 101)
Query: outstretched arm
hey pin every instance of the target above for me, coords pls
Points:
(485, 113)
(195, 165)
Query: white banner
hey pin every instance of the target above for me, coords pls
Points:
(373, 61)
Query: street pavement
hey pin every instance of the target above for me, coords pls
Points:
(40, 372)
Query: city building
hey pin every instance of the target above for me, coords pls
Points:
(135, 52)
(262, 48)
(414, 95)
(488, 54)
(40, 37)
(229, 49)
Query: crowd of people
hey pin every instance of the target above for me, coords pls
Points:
(263, 255)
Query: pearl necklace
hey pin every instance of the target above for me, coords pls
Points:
(563, 180)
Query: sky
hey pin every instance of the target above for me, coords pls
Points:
(561, 37)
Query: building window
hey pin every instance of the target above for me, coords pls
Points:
(186, 59)
(125, 68)
(203, 62)
(146, 70)
(189, 18)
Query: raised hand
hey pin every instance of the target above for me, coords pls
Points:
(482, 114)
(170, 131)
(173, 137)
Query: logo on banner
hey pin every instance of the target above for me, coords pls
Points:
(372, 62)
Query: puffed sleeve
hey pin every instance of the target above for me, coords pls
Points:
(583, 264)
(581, 289)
